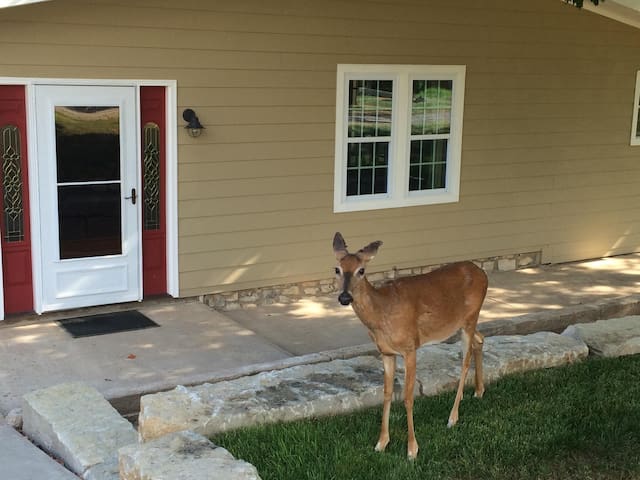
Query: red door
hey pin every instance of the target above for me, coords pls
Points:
(154, 264)
(14, 201)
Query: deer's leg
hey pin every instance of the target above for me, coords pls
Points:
(476, 344)
(466, 363)
(389, 364)
(409, 384)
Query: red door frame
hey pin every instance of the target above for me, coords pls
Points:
(154, 243)
(16, 255)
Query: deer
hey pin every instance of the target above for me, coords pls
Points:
(405, 313)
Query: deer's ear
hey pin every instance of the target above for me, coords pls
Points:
(370, 251)
(339, 246)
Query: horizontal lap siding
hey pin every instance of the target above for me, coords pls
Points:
(546, 163)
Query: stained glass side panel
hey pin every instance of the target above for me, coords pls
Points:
(151, 177)
(12, 184)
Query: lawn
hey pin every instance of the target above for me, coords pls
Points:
(576, 422)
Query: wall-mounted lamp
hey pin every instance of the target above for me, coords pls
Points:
(194, 127)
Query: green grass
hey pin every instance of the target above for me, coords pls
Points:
(576, 422)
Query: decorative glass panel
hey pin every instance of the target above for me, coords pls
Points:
(431, 107)
(151, 177)
(428, 164)
(87, 143)
(12, 184)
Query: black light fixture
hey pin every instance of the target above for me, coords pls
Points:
(194, 127)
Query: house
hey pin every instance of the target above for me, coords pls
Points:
(448, 129)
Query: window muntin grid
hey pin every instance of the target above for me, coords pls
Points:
(369, 134)
(151, 177)
(12, 184)
(430, 132)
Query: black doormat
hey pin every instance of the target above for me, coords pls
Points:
(105, 323)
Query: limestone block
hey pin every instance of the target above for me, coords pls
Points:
(609, 338)
(293, 393)
(507, 354)
(439, 366)
(14, 418)
(75, 423)
(182, 456)
(506, 264)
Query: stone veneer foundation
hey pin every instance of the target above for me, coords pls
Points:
(292, 292)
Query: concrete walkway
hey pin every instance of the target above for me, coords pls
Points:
(195, 344)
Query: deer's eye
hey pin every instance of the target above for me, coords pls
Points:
(361, 272)
(337, 271)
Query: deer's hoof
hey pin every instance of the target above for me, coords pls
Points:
(479, 393)
(412, 453)
(452, 422)
(381, 445)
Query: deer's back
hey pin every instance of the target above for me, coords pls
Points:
(441, 301)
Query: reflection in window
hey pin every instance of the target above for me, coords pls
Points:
(369, 131)
(87, 143)
(430, 133)
(12, 184)
(151, 177)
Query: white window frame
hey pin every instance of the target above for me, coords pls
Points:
(635, 138)
(398, 193)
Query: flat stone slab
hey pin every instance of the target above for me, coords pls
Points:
(439, 366)
(182, 456)
(283, 395)
(22, 460)
(75, 423)
(338, 386)
(609, 338)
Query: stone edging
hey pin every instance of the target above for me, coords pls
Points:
(291, 292)
(300, 391)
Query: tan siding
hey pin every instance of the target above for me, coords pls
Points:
(546, 163)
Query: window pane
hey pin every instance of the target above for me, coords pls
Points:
(431, 107)
(90, 220)
(87, 143)
(380, 180)
(370, 107)
(352, 182)
(366, 181)
(428, 160)
(367, 168)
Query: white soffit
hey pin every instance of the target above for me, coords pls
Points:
(625, 11)
(17, 3)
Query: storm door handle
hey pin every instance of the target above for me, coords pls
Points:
(133, 196)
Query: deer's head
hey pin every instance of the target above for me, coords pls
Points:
(351, 266)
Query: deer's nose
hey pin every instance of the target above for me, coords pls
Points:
(345, 298)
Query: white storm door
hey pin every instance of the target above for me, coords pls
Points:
(88, 189)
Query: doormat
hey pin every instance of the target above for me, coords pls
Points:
(105, 323)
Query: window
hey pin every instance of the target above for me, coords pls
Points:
(635, 124)
(398, 135)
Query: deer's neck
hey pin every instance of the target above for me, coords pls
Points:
(366, 303)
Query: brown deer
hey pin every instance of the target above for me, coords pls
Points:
(408, 312)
